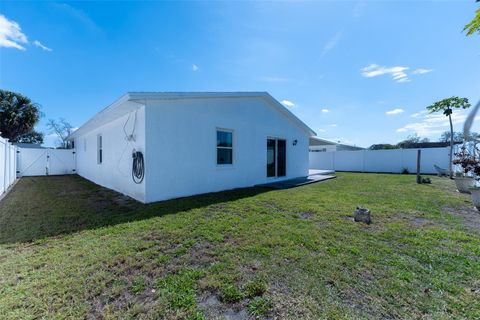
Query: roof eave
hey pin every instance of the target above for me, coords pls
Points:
(122, 99)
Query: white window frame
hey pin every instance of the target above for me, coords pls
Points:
(231, 148)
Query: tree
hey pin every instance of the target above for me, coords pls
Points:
(474, 25)
(18, 116)
(445, 137)
(458, 136)
(32, 137)
(382, 146)
(411, 140)
(446, 106)
(62, 129)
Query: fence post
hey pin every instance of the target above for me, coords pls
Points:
(419, 156)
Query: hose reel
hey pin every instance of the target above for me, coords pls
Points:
(138, 167)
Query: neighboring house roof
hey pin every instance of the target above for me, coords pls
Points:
(29, 145)
(316, 141)
(348, 147)
(120, 107)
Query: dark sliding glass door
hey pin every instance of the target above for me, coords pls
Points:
(271, 157)
(281, 158)
(276, 158)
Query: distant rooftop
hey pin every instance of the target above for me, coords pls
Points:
(316, 141)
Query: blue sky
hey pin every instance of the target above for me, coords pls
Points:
(360, 71)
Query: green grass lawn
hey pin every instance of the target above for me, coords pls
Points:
(71, 249)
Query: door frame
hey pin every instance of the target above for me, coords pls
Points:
(276, 176)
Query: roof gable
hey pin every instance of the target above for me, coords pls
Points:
(133, 100)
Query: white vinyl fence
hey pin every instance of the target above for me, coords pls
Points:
(7, 165)
(44, 162)
(389, 161)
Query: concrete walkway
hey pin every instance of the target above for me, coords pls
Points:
(314, 172)
(315, 176)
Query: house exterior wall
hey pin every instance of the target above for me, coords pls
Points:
(115, 171)
(181, 145)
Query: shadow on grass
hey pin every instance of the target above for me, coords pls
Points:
(40, 207)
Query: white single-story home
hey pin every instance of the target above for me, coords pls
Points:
(156, 146)
(323, 145)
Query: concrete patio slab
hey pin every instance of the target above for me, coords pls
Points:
(313, 172)
(292, 183)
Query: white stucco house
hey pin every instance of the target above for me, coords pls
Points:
(191, 143)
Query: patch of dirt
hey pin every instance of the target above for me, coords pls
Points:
(119, 300)
(305, 214)
(474, 288)
(198, 256)
(469, 215)
(201, 254)
(421, 222)
(232, 314)
(271, 206)
(125, 201)
(213, 308)
(288, 305)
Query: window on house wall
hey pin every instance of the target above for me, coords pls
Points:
(99, 149)
(224, 147)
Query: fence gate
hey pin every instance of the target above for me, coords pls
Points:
(44, 162)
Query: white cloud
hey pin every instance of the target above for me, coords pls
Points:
(398, 73)
(333, 125)
(325, 110)
(395, 111)
(40, 45)
(11, 35)
(429, 124)
(418, 114)
(194, 67)
(321, 130)
(288, 104)
(421, 71)
(331, 43)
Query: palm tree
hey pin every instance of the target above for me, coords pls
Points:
(474, 25)
(18, 115)
(446, 106)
